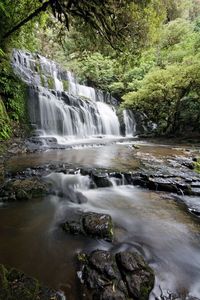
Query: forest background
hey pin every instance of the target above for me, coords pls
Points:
(145, 53)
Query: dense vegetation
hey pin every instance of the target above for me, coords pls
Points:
(144, 52)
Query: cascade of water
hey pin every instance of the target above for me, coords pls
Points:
(79, 89)
(63, 181)
(110, 122)
(130, 124)
(80, 112)
(51, 68)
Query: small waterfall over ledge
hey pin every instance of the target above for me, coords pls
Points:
(62, 108)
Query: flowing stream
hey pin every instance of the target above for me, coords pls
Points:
(149, 222)
(152, 223)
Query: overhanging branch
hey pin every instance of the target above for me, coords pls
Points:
(26, 20)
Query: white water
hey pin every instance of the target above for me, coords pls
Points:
(79, 113)
(79, 89)
(145, 223)
(130, 124)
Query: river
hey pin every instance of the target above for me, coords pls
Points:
(150, 222)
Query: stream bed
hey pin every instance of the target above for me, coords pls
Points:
(151, 222)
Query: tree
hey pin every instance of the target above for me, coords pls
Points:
(170, 97)
(107, 17)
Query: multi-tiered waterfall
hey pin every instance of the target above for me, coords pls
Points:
(61, 107)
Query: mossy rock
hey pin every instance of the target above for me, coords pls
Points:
(23, 189)
(139, 277)
(65, 85)
(91, 224)
(15, 285)
(120, 276)
(51, 83)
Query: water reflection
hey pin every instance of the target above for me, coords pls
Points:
(120, 156)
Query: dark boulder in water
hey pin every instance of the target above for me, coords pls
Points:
(120, 276)
(137, 274)
(91, 224)
(101, 179)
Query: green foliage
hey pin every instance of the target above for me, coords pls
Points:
(13, 91)
(197, 166)
(146, 51)
(65, 85)
(5, 126)
(97, 70)
(13, 99)
(51, 83)
(170, 96)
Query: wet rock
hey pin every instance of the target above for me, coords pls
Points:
(101, 179)
(162, 184)
(184, 184)
(23, 189)
(138, 276)
(86, 171)
(194, 211)
(91, 224)
(1, 171)
(98, 225)
(120, 276)
(15, 285)
(195, 191)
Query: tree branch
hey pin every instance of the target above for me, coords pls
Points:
(30, 17)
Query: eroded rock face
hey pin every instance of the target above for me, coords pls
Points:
(15, 285)
(23, 189)
(91, 224)
(120, 276)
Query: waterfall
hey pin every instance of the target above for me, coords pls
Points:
(130, 124)
(61, 107)
(79, 89)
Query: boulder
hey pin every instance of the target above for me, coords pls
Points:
(138, 276)
(23, 189)
(91, 224)
(101, 179)
(98, 225)
(120, 276)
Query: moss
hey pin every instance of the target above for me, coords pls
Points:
(42, 80)
(85, 98)
(15, 285)
(82, 257)
(197, 165)
(3, 277)
(24, 189)
(51, 84)
(147, 285)
(5, 124)
(65, 85)
(13, 106)
(4, 284)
